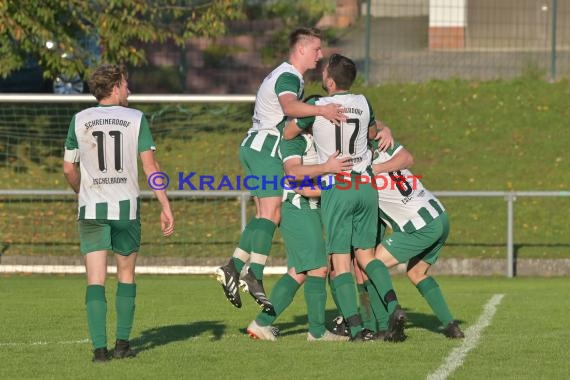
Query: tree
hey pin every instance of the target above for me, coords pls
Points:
(304, 13)
(61, 35)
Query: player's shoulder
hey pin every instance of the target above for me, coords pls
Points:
(312, 99)
(358, 97)
(129, 110)
(284, 69)
(132, 114)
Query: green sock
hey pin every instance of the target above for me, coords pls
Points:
(261, 239)
(364, 308)
(125, 307)
(333, 294)
(281, 297)
(380, 276)
(344, 284)
(378, 308)
(96, 305)
(245, 243)
(429, 289)
(316, 299)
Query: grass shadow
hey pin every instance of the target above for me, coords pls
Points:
(160, 336)
(425, 321)
(300, 324)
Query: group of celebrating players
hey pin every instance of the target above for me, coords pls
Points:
(333, 134)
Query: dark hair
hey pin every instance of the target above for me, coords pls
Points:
(342, 70)
(104, 78)
(303, 33)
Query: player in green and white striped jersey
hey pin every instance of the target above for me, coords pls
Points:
(302, 233)
(350, 214)
(100, 164)
(277, 98)
(420, 228)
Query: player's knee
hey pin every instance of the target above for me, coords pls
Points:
(416, 274)
(298, 277)
(319, 272)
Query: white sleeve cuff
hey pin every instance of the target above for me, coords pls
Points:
(71, 155)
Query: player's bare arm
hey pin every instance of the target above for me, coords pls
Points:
(294, 167)
(292, 107)
(150, 166)
(291, 129)
(72, 175)
(403, 159)
(384, 136)
(308, 192)
(290, 167)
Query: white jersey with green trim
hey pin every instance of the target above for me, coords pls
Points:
(302, 147)
(109, 139)
(405, 204)
(351, 137)
(268, 115)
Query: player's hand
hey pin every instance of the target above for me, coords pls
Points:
(337, 165)
(385, 139)
(333, 112)
(166, 223)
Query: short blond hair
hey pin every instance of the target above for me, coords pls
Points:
(302, 34)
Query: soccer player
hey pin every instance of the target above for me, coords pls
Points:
(100, 164)
(301, 229)
(420, 228)
(277, 97)
(349, 206)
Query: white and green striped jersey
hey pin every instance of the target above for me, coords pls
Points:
(302, 146)
(405, 204)
(351, 137)
(109, 140)
(268, 116)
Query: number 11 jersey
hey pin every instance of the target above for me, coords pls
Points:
(109, 140)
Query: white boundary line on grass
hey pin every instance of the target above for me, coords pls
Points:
(472, 335)
(42, 343)
(52, 269)
(86, 341)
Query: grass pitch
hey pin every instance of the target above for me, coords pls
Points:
(184, 328)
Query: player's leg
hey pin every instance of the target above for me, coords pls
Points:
(345, 291)
(417, 271)
(316, 299)
(282, 296)
(338, 210)
(266, 171)
(262, 235)
(302, 233)
(339, 323)
(364, 306)
(126, 238)
(228, 274)
(242, 252)
(95, 240)
(377, 305)
(287, 286)
(365, 231)
(379, 310)
(262, 238)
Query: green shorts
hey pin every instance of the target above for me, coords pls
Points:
(263, 169)
(302, 233)
(381, 231)
(350, 217)
(120, 236)
(424, 243)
